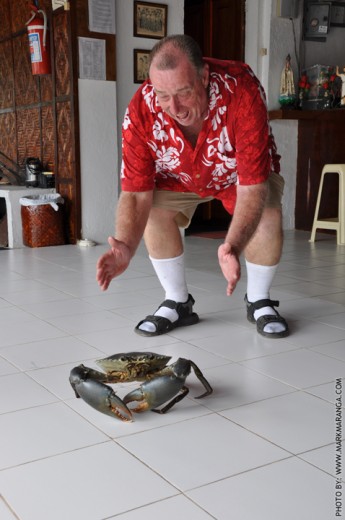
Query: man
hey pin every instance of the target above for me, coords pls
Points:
(198, 129)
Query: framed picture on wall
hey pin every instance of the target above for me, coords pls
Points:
(141, 65)
(150, 20)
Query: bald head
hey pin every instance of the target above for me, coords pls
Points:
(180, 77)
(166, 54)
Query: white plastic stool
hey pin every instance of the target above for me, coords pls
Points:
(337, 223)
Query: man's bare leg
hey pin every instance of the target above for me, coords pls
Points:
(162, 235)
(265, 247)
(164, 244)
(263, 254)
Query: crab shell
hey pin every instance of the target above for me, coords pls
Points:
(133, 366)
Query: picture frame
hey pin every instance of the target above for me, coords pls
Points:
(337, 16)
(150, 20)
(141, 65)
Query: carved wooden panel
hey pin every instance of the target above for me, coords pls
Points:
(28, 134)
(62, 62)
(64, 140)
(67, 166)
(8, 135)
(20, 12)
(48, 138)
(47, 89)
(71, 207)
(25, 84)
(6, 75)
(5, 25)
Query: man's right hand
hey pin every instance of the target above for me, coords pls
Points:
(230, 266)
(112, 263)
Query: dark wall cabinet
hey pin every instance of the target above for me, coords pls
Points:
(320, 141)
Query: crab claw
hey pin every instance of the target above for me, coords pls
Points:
(138, 396)
(154, 393)
(98, 395)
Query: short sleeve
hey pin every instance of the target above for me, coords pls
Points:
(252, 134)
(138, 169)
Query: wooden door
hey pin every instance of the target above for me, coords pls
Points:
(219, 28)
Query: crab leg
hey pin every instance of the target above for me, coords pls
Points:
(184, 391)
(97, 394)
(202, 380)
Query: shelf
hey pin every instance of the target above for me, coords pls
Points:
(332, 114)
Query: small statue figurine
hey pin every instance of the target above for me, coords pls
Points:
(287, 94)
(342, 76)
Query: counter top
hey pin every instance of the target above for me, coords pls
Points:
(333, 113)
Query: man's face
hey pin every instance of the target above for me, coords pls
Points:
(181, 92)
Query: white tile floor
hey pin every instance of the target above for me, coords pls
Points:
(261, 447)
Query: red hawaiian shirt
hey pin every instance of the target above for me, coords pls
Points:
(235, 145)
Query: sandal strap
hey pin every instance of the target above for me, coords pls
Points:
(262, 321)
(159, 321)
(186, 316)
(182, 309)
(255, 306)
(270, 318)
(264, 303)
(266, 319)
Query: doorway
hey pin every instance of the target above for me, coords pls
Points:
(219, 28)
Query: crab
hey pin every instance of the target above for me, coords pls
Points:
(162, 383)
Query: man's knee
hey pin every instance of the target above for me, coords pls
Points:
(275, 184)
(271, 218)
(159, 216)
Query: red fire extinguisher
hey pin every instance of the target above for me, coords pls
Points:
(39, 42)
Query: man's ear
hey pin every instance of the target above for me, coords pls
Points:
(205, 75)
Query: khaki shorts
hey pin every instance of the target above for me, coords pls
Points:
(185, 203)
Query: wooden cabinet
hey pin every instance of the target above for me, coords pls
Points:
(320, 141)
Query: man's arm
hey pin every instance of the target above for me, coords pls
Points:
(248, 210)
(131, 218)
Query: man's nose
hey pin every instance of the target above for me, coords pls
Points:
(174, 105)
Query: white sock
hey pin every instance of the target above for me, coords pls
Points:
(259, 281)
(171, 274)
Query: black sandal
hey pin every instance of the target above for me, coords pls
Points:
(267, 318)
(163, 325)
